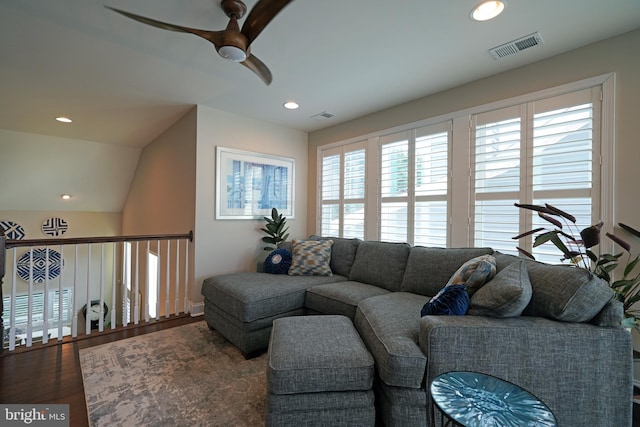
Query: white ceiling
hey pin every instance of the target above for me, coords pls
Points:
(124, 82)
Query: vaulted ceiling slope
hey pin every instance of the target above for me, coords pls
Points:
(124, 82)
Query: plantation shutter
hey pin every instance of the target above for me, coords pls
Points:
(343, 187)
(431, 185)
(539, 152)
(394, 184)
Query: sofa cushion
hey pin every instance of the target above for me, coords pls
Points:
(429, 269)
(310, 354)
(506, 295)
(380, 264)
(452, 300)
(561, 292)
(474, 273)
(311, 258)
(343, 253)
(253, 296)
(389, 325)
(340, 298)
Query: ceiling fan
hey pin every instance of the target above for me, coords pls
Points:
(232, 43)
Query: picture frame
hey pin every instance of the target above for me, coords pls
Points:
(249, 184)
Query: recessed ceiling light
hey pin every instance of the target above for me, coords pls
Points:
(291, 105)
(65, 196)
(487, 10)
(64, 119)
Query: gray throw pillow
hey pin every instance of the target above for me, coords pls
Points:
(506, 295)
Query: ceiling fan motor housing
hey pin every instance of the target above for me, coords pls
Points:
(233, 8)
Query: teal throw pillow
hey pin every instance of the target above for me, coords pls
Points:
(451, 300)
(311, 258)
(474, 273)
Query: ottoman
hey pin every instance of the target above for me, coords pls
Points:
(319, 373)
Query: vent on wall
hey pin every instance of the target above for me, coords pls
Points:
(517, 46)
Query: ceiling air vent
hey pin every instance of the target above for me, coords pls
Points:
(517, 46)
(322, 116)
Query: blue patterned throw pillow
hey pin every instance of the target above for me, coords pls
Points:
(311, 258)
(474, 273)
(452, 300)
(278, 262)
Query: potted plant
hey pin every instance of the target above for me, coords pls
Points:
(578, 249)
(276, 230)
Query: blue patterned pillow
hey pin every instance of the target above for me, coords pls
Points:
(452, 300)
(278, 262)
(474, 273)
(311, 258)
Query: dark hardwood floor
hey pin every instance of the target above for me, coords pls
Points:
(50, 374)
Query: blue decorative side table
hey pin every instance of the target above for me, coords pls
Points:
(472, 399)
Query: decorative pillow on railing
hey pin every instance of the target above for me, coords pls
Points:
(474, 273)
(311, 258)
(278, 262)
(452, 300)
(506, 295)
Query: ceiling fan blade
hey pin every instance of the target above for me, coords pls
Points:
(214, 37)
(261, 14)
(258, 67)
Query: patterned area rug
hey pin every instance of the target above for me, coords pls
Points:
(183, 376)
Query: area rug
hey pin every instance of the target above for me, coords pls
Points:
(183, 376)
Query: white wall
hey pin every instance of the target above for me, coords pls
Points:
(225, 246)
(617, 54)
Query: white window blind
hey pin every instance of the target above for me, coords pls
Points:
(394, 185)
(431, 183)
(37, 307)
(343, 188)
(550, 160)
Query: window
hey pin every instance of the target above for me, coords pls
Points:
(539, 152)
(453, 180)
(414, 176)
(394, 187)
(55, 312)
(343, 178)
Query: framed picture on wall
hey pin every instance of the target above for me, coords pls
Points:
(249, 185)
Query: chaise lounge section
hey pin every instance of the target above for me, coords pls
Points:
(552, 330)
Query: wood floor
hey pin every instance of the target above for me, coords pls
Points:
(51, 374)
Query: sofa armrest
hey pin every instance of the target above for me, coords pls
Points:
(583, 372)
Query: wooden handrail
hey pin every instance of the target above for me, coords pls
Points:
(88, 240)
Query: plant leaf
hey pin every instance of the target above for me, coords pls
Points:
(525, 253)
(619, 241)
(591, 255)
(591, 235)
(550, 219)
(560, 245)
(534, 208)
(528, 233)
(543, 238)
(629, 268)
(561, 213)
(629, 229)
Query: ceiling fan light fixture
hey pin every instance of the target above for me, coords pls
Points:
(487, 10)
(232, 53)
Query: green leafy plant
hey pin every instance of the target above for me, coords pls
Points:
(577, 247)
(276, 230)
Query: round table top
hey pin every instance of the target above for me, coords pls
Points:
(474, 399)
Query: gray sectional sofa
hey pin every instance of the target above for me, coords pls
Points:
(566, 347)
